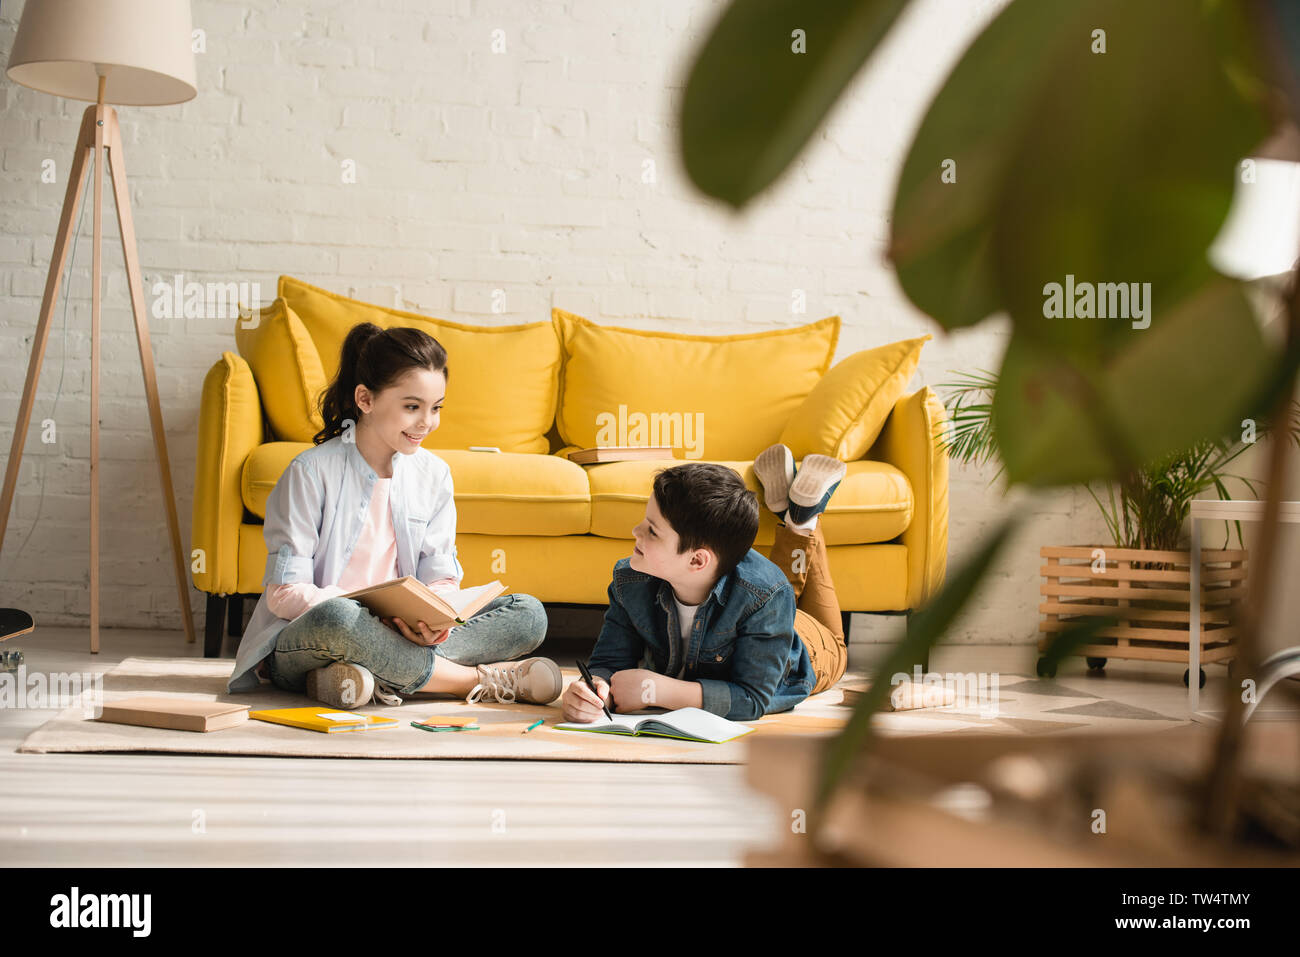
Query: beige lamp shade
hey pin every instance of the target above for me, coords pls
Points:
(143, 47)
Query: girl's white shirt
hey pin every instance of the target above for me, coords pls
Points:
(315, 515)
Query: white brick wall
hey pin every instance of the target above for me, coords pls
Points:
(475, 170)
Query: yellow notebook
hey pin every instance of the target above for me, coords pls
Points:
(324, 718)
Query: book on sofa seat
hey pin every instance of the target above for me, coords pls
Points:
(412, 601)
(620, 453)
(689, 724)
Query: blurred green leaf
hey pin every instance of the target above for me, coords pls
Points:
(1061, 420)
(1128, 173)
(1189, 375)
(942, 240)
(1279, 22)
(1048, 419)
(1276, 382)
(752, 102)
(927, 626)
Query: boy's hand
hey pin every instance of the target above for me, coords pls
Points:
(581, 706)
(423, 637)
(638, 688)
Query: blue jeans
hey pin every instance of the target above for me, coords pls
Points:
(342, 629)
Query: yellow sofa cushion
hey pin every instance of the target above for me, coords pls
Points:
(503, 382)
(506, 494)
(286, 368)
(843, 415)
(695, 394)
(872, 504)
(518, 494)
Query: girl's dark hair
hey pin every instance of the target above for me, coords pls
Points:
(708, 506)
(375, 358)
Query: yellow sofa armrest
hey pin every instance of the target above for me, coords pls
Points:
(912, 442)
(230, 428)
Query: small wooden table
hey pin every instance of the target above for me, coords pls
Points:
(1231, 510)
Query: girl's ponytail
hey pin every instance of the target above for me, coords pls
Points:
(373, 357)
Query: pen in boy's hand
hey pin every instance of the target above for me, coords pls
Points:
(586, 676)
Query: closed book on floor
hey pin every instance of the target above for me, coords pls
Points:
(689, 724)
(177, 714)
(324, 718)
(413, 601)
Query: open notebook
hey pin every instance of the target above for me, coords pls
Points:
(689, 724)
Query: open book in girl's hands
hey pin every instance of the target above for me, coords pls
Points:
(413, 601)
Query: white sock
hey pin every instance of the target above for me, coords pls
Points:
(807, 526)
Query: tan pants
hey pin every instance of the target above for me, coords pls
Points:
(802, 556)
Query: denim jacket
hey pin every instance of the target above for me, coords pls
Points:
(743, 649)
(315, 515)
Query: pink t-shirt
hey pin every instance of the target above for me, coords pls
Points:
(373, 560)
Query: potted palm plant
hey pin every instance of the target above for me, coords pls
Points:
(1142, 576)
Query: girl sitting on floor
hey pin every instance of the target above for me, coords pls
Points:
(365, 505)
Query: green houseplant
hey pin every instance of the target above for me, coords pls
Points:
(1145, 513)
(1098, 139)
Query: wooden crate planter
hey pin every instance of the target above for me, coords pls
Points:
(1149, 592)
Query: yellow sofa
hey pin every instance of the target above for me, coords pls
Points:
(543, 524)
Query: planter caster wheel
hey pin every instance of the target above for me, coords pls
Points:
(1044, 670)
(1187, 676)
(1096, 664)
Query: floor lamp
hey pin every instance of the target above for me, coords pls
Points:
(133, 52)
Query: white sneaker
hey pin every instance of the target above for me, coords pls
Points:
(531, 681)
(774, 469)
(341, 685)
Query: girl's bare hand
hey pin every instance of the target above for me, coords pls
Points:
(424, 636)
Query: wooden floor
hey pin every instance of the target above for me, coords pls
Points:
(155, 809)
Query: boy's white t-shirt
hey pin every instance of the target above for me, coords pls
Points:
(685, 615)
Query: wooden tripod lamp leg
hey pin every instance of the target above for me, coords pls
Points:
(122, 199)
(53, 279)
(104, 140)
(95, 296)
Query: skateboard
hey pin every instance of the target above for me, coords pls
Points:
(14, 622)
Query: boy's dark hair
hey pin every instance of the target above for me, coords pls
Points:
(375, 358)
(708, 506)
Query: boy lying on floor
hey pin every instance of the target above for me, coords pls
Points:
(699, 619)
